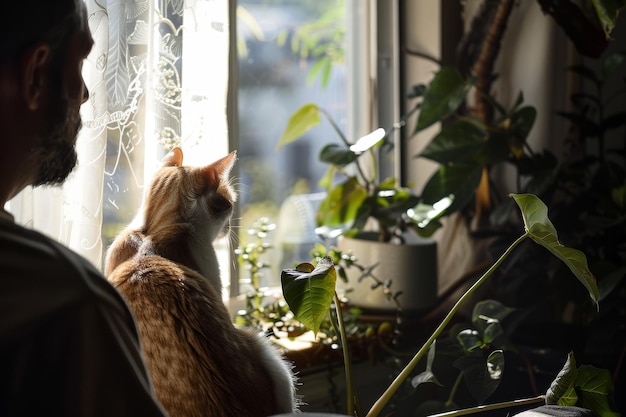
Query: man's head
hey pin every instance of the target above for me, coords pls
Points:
(45, 50)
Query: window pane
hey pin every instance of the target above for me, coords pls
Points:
(281, 44)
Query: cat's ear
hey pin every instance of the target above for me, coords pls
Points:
(173, 159)
(224, 165)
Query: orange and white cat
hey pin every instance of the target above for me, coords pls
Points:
(165, 266)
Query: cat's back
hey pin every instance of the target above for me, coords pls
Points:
(201, 365)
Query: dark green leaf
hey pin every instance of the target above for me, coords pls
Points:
(499, 146)
(594, 385)
(587, 126)
(444, 95)
(519, 100)
(495, 365)
(457, 182)
(481, 377)
(469, 339)
(592, 379)
(542, 231)
(309, 291)
(337, 155)
(562, 389)
(490, 310)
(492, 333)
(598, 404)
(305, 118)
(522, 122)
(456, 142)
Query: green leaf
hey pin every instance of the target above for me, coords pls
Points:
(522, 122)
(607, 11)
(481, 376)
(495, 365)
(337, 155)
(562, 389)
(444, 95)
(305, 118)
(487, 317)
(427, 375)
(424, 377)
(542, 231)
(598, 404)
(309, 291)
(341, 204)
(469, 339)
(424, 217)
(456, 142)
(594, 380)
(594, 386)
(457, 182)
(491, 309)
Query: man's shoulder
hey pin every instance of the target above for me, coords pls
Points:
(34, 266)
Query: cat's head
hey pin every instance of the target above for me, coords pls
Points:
(201, 197)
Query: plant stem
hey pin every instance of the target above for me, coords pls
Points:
(345, 141)
(489, 407)
(404, 374)
(352, 397)
(455, 387)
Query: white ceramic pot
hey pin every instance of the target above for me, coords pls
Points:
(411, 267)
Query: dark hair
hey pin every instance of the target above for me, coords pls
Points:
(30, 21)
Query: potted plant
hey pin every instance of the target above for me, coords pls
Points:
(378, 219)
(310, 291)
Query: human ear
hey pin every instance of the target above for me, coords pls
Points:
(34, 70)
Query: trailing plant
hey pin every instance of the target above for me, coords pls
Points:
(310, 291)
(271, 314)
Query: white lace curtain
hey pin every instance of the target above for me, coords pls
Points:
(157, 78)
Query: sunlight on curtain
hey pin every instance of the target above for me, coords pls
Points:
(157, 78)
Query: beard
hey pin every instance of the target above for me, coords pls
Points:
(56, 154)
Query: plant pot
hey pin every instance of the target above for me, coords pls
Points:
(410, 267)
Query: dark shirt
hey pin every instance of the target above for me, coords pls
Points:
(68, 342)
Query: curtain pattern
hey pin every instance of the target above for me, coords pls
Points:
(157, 78)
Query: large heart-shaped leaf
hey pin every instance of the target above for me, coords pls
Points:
(594, 385)
(305, 118)
(542, 231)
(309, 291)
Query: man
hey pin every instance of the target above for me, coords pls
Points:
(68, 344)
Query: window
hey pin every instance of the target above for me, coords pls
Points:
(156, 80)
(291, 53)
